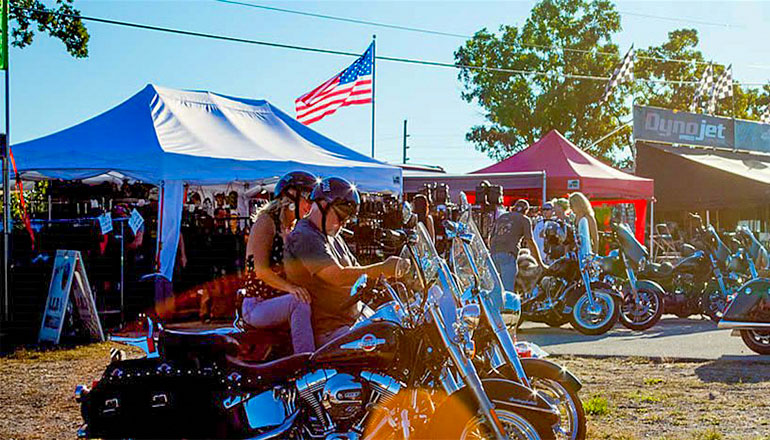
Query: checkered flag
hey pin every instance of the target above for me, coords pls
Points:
(624, 73)
(766, 115)
(705, 86)
(723, 89)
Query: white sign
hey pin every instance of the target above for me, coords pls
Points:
(105, 223)
(69, 279)
(136, 221)
(573, 184)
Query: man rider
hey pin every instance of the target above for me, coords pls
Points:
(318, 259)
(508, 231)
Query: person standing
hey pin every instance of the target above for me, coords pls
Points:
(586, 230)
(508, 231)
(422, 209)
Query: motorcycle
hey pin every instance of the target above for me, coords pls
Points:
(404, 371)
(748, 315)
(569, 291)
(642, 299)
(478, 282)
(750, 256)
(696, 284)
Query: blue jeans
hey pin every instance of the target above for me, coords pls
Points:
(279, 311)
(508, 267)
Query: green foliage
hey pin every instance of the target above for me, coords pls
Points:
(29, 17)
(652, 381)
(521, 108)
(596, 406)
(711, 434)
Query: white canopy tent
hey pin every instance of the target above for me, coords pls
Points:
(173, 137)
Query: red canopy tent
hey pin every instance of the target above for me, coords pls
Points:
(568, 169)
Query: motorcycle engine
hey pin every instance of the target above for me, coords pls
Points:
(343, 399)
(339, 401)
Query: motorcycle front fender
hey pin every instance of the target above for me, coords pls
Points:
(511, 396)
(650, 286)
(576, 292)
(534, 367)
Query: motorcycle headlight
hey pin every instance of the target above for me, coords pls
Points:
(511, 309)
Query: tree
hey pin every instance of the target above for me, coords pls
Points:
(31, 14)
(521, 108)
(747, 103)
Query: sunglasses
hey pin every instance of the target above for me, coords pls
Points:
(345, 212)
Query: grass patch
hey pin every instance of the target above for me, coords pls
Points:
(650, 381)
(644, 397)
(55, 354)
(596, 406)
(710, 434)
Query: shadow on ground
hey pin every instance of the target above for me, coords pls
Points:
(736, 370)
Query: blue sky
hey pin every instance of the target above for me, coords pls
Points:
(51, 91)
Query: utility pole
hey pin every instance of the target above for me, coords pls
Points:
(405, 146)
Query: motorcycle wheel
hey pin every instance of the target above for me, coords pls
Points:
(646, 315)
(597, 322)
(464, 424)
(571, 412)
(758, 341)
(714, 302)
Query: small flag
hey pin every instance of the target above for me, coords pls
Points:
(705, 86)
(623, 73)
(722, 89)
(766, 115)
(351, 86)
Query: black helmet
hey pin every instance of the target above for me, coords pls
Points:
(301, 181)
(339, 194)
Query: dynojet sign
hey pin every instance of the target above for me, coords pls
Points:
(657, 124)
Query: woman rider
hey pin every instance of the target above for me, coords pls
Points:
(271, 300)
(585, 224)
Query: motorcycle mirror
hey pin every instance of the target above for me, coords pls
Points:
(406, 212)
(359, 285)
(463, 201)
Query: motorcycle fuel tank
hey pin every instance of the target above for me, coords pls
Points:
(751, 303)
(373, 345)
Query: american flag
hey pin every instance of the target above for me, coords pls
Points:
(351, 86)
(705, 86)
(723, 89)
(623, 73)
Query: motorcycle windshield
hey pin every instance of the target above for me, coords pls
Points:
(425, 257)
(722, 253)
(489, 278)
(633, 250)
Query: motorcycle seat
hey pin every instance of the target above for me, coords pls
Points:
(657, 270)
(255, 374)
(193, 344)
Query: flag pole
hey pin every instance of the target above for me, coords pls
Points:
(374, 82)
(6, 169)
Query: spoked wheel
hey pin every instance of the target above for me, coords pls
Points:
(598, 318)
(642, 312)
(757, 340)
(715, 302)
(573, 417)
(516, 428)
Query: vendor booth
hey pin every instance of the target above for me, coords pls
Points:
(568, 169)
(176, 139)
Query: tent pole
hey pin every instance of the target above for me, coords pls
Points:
(544, 189)
(652, 229)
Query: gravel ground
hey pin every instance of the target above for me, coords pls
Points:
(626, 398)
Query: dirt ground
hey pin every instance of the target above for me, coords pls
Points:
(626, 398)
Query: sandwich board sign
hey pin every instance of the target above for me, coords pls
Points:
(69, 282)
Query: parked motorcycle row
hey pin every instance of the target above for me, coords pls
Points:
(431, 356)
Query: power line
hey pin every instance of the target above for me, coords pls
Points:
(450, 34)
(345, 19)
(688, 20)
(342, 53)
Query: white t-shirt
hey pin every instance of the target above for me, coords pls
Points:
(538, 235)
